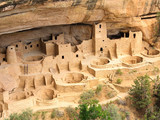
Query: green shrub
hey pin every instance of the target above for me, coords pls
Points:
(87, 95)
(121, 102)
(43, 115)
(89, 109)
(25, 115)
(156, 70)
(14, 116)
(98, 89)
(140, 94)
(71, 112)
(56, 114)
(92, 111)
(119, 72)
(113, 111)
(110, 94)
(119, 81)
(156, 91)
(124, 114)
(152, 114)
(53, 114)
(36, 115)
(132, 71)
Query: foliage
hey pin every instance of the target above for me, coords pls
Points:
(92, 111)
(56, 114)
(140, 94)
(121, 102)
(98, 89)
(119, 72)
(71, 112)
(85, 96)
(156, 70)
(119, 81)
(43, 115)
(132, 71)
(36, 115)
(14, 116)
(110, 95)
(156, 91)
(25, 115)
(53, 114)
(126, 115)
(113, 111)
(152, 114)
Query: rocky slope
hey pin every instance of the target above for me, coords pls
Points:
(18, 15)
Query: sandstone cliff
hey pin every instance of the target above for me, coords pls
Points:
(18, 15)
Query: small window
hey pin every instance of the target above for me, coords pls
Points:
(4, 59)
(30, 46)
(77, 55)
(25, 47)
(62, 57)
(11, 48)
(17, 46)
(55, 37)
(101, 49)
(99, 31)
(127, 35)
(103, 40)
(100, 26)
(122, 34)
(134, 35)
(37, 45)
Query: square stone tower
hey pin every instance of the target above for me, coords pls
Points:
(99, 36)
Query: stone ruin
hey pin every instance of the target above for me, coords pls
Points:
(41, 72)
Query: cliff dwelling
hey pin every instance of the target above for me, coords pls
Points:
(46, 65)
(43, 68)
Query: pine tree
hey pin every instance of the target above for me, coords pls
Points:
(140, 93)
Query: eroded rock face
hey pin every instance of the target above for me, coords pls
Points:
(73, 34)
(27, 14)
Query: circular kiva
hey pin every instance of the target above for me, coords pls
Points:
(45, 94)
(74, 77)
(132, 60)
(34, 58)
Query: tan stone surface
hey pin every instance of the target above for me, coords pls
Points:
(125, 13)
(46, 68)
